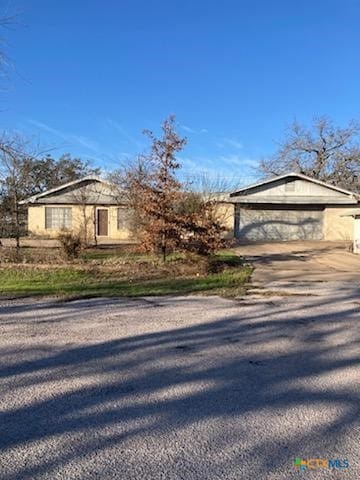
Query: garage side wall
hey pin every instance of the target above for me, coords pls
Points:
(225, 214)
(336, 225)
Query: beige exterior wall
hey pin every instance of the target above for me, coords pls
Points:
(83, 223)
(336, 225)
(225, 212)
(357, 235)
(85, 216)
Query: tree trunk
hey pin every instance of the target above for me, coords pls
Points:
(163, 246)
(17, 223)
(94, 223)
(85, 226)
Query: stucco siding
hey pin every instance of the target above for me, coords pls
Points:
(83, 223)
(357, 235)
(225, 214)
(338, 226)
(36, 219)
(114, 232)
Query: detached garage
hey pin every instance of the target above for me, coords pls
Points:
(294, 207)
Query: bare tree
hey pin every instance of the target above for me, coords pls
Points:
(213, 193)
(128, 183)
(323, 151)
(201, 226)
(155, 190)
(168, 213)
(12, 157)
(15, 166)
(85, 199)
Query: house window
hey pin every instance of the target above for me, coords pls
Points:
(58, 218)
(122, 219)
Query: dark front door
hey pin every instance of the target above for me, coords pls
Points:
(102, 222)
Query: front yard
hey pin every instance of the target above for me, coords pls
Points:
(109, 273)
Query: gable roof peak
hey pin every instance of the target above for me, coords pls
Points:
(297, 175)
(87, 178)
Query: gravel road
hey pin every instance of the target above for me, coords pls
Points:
(180, 388)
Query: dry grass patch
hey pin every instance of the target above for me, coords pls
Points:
(133, 276)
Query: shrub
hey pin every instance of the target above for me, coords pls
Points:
(70, 244)
(11, 255)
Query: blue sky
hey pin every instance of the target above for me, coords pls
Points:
(92, 74)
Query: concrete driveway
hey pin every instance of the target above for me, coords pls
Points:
(302, 267)
(187, 388)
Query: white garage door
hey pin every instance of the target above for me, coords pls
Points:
(279, 223)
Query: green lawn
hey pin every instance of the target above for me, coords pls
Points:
(70, 282)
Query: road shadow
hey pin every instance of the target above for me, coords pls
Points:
(243, 368)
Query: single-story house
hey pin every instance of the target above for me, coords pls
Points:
(294, 207)
(90, 207)
(284, 208)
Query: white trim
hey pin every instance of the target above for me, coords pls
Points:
(293, 174)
